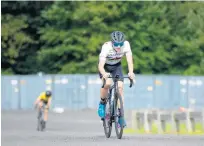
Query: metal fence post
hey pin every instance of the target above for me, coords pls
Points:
(146, 121)
(134, 120)
(188, 121)
(173, 122)
(53, 87)
(86, 89)
(19, 92)
(203, 119)
(159, 122)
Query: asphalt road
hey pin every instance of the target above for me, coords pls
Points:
(77, 128)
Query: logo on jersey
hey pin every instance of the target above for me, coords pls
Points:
(115, 56)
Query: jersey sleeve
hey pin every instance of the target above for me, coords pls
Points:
(128, 51)
(104, 52)
(41, 95)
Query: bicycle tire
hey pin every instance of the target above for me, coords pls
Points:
(116, 116)
(42, 118)
(107, 121)
(39, 126)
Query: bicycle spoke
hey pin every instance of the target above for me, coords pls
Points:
(107, 123)
(118, 116)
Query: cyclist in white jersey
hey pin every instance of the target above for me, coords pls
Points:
(110, 63)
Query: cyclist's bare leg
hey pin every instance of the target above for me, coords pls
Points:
(120, 87)
(45, 114)
(104, 91)
(40, 104)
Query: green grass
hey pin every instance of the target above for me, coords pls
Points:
(183, 130)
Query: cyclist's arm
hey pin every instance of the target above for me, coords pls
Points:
(38, 99)
(49, 102)
(102, 59)
(130, 63)
(101, 67)
(129, 57)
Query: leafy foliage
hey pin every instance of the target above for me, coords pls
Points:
(66, 36)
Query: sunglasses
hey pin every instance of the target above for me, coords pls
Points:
(118, 44)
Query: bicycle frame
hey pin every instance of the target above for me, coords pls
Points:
(115, 87)
(40, 118)
(115, 80)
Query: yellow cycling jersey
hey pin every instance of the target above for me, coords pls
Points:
(43, 97)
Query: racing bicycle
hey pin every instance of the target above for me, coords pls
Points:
(114, 108)
(41, 123)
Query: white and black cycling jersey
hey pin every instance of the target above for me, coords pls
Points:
(112, 56)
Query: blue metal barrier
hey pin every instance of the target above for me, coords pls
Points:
(80, 91)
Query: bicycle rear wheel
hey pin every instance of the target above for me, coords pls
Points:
(118, 104)
(107, 121)
(40, 126)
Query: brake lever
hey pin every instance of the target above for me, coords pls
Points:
(104, 82)
(131, 82)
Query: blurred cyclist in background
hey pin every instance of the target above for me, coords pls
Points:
(44, 100)
(110, 63)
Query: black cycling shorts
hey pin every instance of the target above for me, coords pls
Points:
(114, 70)
(44, 102)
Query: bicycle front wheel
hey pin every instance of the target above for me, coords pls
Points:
(39, 126)
(107, 122)
(118, 115)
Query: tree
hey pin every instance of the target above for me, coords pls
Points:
(66, 37)
(20, 21)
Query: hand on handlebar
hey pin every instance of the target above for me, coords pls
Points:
(47, 107)
(131, 75)
(35, 106)
(106, 75)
